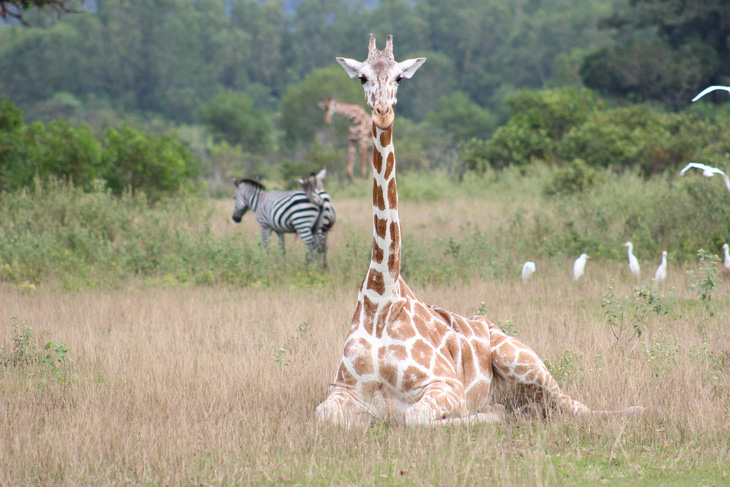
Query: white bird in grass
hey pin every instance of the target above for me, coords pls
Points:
(725, 271)
(579, 266)
(708, 90)
(661, 271)
(707, 171)
(633, 263)
(528, 268)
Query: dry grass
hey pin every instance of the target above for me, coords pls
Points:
(189, 386)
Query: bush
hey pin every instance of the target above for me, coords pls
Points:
(232, 117)
(157, 165)
(540, 120)
(53, 150)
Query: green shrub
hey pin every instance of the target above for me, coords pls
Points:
(574, 177)
(232, 117)
(53, 150)
(157, 165)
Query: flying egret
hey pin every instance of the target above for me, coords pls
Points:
(707, 171)
(708, 90)
(579, 266)
(661, 271)
(633, 263)
(528, 268)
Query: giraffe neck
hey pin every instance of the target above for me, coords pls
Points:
(380, 285)
(351, 112)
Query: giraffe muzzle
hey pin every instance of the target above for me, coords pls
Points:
(383, 116)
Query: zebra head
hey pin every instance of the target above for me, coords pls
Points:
(247, 191)
(313, 185)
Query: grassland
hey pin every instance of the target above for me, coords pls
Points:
(179, 384)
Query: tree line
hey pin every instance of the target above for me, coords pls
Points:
(252, 74)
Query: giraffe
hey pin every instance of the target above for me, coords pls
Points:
(404, 360)
(360, 128)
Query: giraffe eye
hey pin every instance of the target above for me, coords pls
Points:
(363, 79)
(399, 79)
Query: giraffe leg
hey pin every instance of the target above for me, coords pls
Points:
(517, 364)
(364, 159)
(343, 409)
(351, 161)
(439, 402)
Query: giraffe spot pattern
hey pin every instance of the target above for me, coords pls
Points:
(438, 362)
(381, 226)
(376, 282)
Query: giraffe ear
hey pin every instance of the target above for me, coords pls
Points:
(351, 66)
(410, 66)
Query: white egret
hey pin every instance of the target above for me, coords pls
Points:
(709, 89)
(707, 171)
(633, 263)
(528, 268)
(579, 266)
(661, 271)
(725, 271)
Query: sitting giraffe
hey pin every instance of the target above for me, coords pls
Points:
(404, 360)
(360, 128)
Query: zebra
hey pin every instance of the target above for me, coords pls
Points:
(314, 188)
(286, 212)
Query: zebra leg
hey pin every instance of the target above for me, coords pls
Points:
(305, 233)
(322, 246)
(265, 235)
(281, 244)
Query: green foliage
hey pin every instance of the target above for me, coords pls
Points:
(570, 367)
(46, 151)
(462, 119)
(574, 177)
(11, 117)
(624, 315)
(680, 213)
(300, 114)
(232, 117)
(157, 165)
(650, 70)
(539, 122)
(23, 351)
(707, 279)
(24, 354)
(662, 352)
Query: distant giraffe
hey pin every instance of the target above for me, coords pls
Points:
(403, 359)
(360, 132)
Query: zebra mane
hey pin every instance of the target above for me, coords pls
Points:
(252, 182)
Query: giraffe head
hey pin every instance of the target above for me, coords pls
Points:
(329, 109)
(380, 75)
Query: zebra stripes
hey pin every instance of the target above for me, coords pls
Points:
(286, 212)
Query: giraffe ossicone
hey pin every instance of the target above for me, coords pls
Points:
(404, 360)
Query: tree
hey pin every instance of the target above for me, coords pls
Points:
(300, 114)
(231, 116)
(14, 9)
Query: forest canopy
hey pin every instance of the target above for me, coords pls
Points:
(239, 80)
